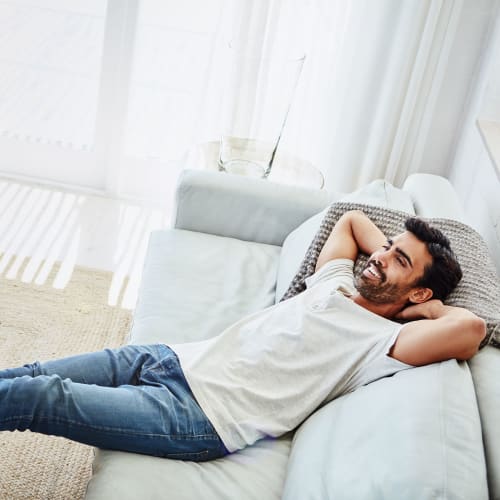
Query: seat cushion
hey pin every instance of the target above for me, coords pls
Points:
(194, 285)
(414, 435)
(485, 369)
(255, 473)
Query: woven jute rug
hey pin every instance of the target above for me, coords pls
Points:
(39, 322)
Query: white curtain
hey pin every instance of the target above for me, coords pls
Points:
(110, 95)
(372, 76)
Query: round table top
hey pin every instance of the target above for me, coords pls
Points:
(286, 169)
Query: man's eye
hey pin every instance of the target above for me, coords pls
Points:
(388, 245)
(401, 261)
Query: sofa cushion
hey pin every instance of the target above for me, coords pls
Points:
(378, 193)
(255, 473)
(485, 369)
(414, 435)
(194, 285)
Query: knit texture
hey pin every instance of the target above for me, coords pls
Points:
(478, 290)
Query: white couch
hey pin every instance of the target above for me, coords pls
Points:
(429, 432)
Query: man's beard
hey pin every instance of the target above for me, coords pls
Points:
(378, 290)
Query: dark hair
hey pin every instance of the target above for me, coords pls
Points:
(443, 275)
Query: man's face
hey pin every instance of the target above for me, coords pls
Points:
(392, 272)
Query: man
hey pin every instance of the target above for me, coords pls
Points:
(268, 372)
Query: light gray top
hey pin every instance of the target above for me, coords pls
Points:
(268, 372)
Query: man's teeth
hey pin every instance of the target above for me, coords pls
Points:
(373, 271)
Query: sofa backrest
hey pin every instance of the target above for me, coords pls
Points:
(266, 212)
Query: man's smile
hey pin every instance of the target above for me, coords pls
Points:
(371, 271)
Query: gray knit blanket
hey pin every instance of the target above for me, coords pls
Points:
(479, 288)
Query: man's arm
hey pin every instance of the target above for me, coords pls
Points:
(446, 332)
(352, 233)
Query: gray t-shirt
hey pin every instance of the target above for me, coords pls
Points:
(268, 372)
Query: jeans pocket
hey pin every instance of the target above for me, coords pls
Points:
(167, 361)
(158, 369)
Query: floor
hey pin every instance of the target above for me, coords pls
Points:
(40, 226)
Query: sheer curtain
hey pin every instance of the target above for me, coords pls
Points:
(110, 95)
(373, 74)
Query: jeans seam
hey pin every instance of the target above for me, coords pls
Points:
(118, 430)
(190, 454)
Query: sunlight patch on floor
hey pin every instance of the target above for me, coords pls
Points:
(40, 226)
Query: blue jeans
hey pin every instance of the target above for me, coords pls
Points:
(134, 398)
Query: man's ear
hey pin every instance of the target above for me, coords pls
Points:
(420, 294)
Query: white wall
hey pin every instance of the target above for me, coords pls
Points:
(460, 78)
(478, 186)
(472, 170)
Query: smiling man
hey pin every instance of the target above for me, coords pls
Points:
(264, 375)
(407, 277)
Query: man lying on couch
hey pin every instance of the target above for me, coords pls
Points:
(265, 374)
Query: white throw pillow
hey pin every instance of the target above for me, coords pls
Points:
(378, 193)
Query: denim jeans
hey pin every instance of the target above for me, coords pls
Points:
(134, 398)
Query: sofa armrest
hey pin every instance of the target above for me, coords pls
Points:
(434, 196)
(241, 207)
